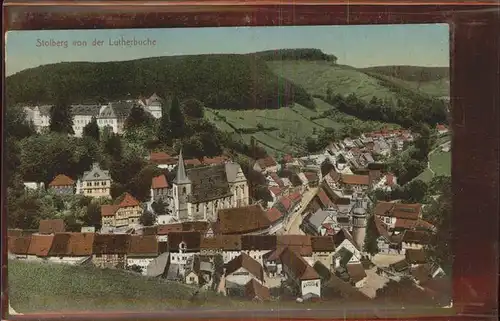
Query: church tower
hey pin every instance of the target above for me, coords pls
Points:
(359, 221)
(181, 191)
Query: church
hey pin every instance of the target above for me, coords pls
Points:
(198, 193)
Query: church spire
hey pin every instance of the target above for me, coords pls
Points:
(181, 176)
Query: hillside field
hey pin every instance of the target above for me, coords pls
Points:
(284, 130)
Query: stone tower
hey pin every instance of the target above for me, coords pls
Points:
(359, 221)
(181, 191)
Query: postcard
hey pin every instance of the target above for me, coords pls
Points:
(234, 168)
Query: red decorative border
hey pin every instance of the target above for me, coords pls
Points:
(475, 69)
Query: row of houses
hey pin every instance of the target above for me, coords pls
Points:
(256, 258)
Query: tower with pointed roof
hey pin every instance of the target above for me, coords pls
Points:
(181, 190)
(359, 222)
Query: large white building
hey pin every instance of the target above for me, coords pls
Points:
(112, 115)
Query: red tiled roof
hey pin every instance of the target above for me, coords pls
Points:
(167, 228)
(311, 176)
(62, 180)
(325, 200)
(254, 289)
(19, 245)
(109, 210)
(129, 201)
(221, 242)
(356, 272)
(246, 262)
(143, 245)
(40, 245)
(297, 265)
(288, 159)
(273, 214)
(215, 160)
(277, 179)
(322, 244)
(416, 256)
(301, 244)
(51, 226)
(382, 229)
(159, 156)
(159, 182)
(295, 197)
(275, 190)
(355, 179)
(242, 219)
(398, 210)
(193, 161)
(266, 162)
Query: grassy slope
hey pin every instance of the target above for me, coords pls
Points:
(35, 288)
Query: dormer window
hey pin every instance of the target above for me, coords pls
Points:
(96, 175)
(182, 246)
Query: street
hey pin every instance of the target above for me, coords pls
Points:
(292, 224)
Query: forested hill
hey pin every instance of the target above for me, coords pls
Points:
(296, 54)
(220, 81)
(412, 73)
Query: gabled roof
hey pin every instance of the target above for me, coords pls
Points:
(208, 183)
(297, 265)
(143, 246)
(418, 237)
(246, 262)
(322, 244)
(416, 256)
(72, 244)
(324, 199)
(355, 179)
(96, 174)
(40, 245)
(342, 235)
(255, 290)
(222, 242)
(109, 210)
(356, 272)
(62, 180)
(241, 220)
(266, 162)
(398, 210)
(111, 243)
(127, 200)
(273, 214)
(191, 239)
(19, 245)
(258, 242)
(159, 182)
(51, 226)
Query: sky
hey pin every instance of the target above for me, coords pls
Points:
(358, 46)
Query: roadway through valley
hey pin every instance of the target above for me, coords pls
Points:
(292, 225)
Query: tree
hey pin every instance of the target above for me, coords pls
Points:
(138, 117)
(61, 120)
(193, 108)
(218, 271)
(193, 147)
(416, 191)
(177, 119)
(160, 208)
(370, 245)
(92, 130)
(147, 218)
(164, 131)
(93, 215)
(113, 146)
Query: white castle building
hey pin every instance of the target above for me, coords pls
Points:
(112, 115)
(199, 192)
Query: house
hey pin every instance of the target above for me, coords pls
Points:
(414, 240)
(335, 286)
(199, 192)
(159, 266)
(51, 226)
(163, 230)
(387, 182)
(110, 250)
(33, 186)
(298, 243)
(357, 274)
(199, 270)
(390, 212)
(441, 129)
(62, 184)
(183, 246)
(354, 183)
(18, 246)
(114, 115)
(386, 243)
(95, 183)
(163, 160)
(266, 165)
(256, 246)
(255, 291)
(415, 257)
(159, 188)
(229, 246)
(143, 249)
(242, 220)
(125, 212)
(344, 240)
(152, 105)
(302, 274)
(323, 249)
(241, 270)
(71, 248)
(313, 223)
(39, 247)
(275, 193)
